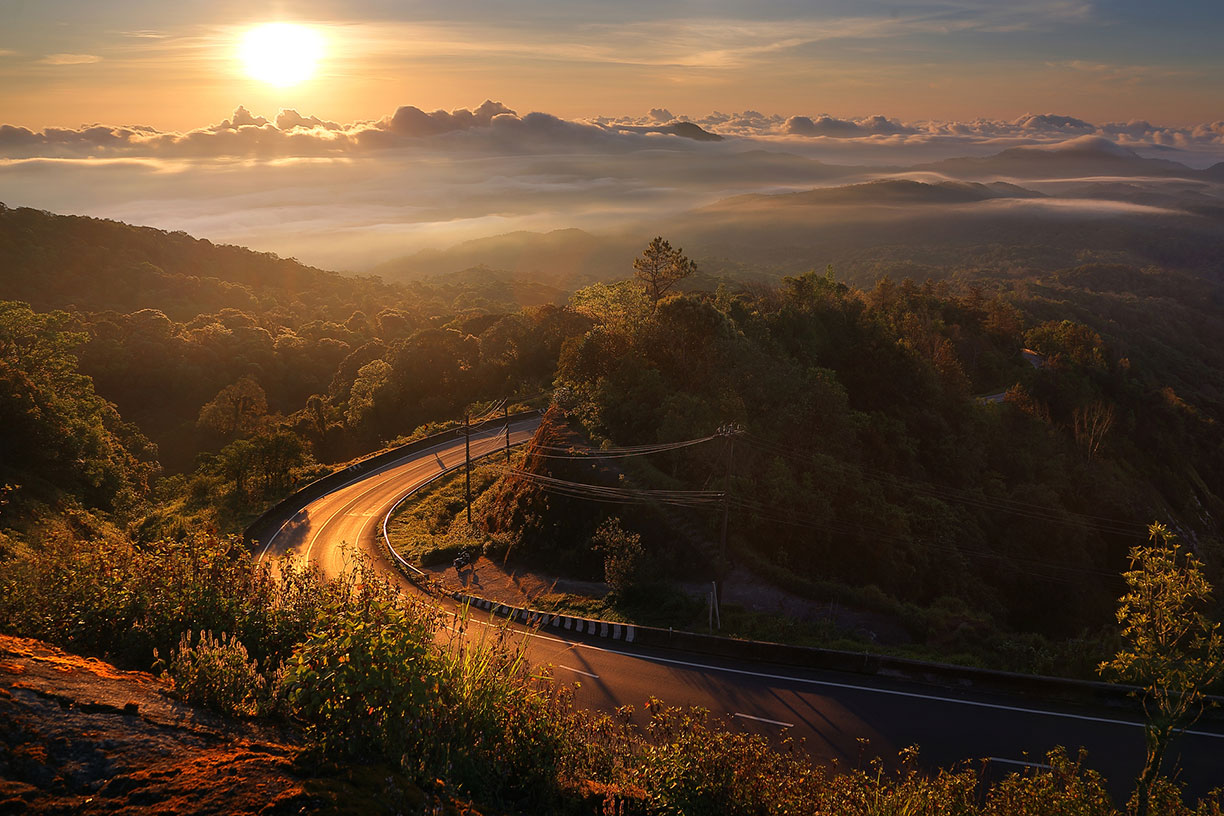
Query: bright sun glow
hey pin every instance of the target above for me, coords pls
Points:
(281, 53)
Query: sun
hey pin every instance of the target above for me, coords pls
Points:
(281, 54)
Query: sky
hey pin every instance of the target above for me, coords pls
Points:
(171, 65)
(424, 123)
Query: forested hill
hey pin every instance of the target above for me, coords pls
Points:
(867, 471)
(64, 261)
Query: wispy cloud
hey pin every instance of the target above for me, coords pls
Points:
(70, 59)
(1114, 73)
(705, 42)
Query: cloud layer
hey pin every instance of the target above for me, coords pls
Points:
(348, 195)
(494, 125)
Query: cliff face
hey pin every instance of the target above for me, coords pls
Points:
(78, 735)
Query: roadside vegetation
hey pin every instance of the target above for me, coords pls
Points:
(361, 670)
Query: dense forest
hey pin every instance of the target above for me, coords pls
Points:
(974, 457)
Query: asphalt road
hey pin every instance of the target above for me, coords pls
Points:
(832, 712)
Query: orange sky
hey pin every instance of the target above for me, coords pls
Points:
(175, 66)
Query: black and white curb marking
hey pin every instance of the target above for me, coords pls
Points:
(532, 617)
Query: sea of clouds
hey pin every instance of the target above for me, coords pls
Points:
(348, 195)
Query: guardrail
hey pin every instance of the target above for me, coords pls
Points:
(944, 675)
(414, 571)
(275, 517)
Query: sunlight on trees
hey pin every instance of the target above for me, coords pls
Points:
(660, 268)
(237, 409)
(1171, 649)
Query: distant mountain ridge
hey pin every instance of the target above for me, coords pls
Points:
(64, 261)
(1075, 158)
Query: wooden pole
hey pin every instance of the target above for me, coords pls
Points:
(467, 449)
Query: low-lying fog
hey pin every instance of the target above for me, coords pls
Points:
(354, 196)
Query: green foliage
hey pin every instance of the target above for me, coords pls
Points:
(236, 410)
(110, 597)
(54, 429)
(623, 555)
(1171, 648)
(1067, 788)
(693, 767)
(870, 465)
(216, 672)
(371, 681)
(363, 678)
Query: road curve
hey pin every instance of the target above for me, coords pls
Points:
(830, 711)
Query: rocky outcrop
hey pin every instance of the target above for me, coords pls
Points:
(79, 736)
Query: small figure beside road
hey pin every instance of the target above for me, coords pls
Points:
(463, 559)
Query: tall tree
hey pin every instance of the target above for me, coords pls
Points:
(1171, 648)
(237, 409)
(660, 268)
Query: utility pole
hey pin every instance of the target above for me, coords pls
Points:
(729, 432)
(506, 414)
(467, 450)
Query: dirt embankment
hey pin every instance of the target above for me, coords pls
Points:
(78, 735)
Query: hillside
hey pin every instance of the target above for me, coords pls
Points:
(60, 262)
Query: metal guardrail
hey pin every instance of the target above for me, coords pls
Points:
(404, 562)
(279, 514)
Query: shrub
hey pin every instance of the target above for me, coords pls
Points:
(622, 552)
(116, 599)
(363, 680)
(216, 672)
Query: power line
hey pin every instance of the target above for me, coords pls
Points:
(617, 495)
(1102, 524)
(613, 453)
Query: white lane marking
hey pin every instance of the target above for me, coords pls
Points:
(764, 720)
(388, 477)
(848, 686)
(1020, 763)
(445, 470)
(577, 671)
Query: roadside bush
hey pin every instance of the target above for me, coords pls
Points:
(623, 555)
(507, 729)
(364, 679)
(694, 767)
(216, 672)
(370, 681)
(110, 597)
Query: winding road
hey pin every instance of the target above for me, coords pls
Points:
(832, 712)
